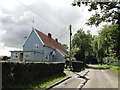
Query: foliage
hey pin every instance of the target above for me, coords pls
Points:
(114, 68)
(105, 44)
(80, 56)
(105, 12)
(5, 58)
(109, 11)
(17, 75)
(111, 61)
(65, 46)
(78, 66)
(81, 44)
(91, 59)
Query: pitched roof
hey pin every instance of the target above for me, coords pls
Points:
(51, 43)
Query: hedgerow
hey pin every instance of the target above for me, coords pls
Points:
(23, 74)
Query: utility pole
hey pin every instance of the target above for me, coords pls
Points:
(70, 27)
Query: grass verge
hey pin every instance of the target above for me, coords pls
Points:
(115, 69)
(49, 81)
(67, 69)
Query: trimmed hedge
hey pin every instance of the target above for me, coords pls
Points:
(78, 66)
(23, 74)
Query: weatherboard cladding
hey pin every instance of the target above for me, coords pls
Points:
(50, 42)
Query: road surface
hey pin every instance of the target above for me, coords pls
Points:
(95, 78)
(101, 78)
(73, 82)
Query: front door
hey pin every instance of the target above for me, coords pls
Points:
(21, 56)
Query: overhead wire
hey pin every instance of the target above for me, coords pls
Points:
(34, 11)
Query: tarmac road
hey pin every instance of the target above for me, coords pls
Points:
(95, 79)
(101, 78)
(73, 82)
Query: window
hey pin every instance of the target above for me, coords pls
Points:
(36, 46)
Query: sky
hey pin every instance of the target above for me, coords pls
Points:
(18, 17)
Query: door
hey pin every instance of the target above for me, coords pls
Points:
(21, 56)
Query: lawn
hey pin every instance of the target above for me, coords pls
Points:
(115, 69)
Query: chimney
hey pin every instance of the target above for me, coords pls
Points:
(56, 39)
(50, 35)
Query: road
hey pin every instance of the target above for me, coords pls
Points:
(73, 82)
(95, 78)
(101, 78)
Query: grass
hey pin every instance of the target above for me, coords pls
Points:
(49, 81)
(67, 69)
(104, 66)
(115, 69)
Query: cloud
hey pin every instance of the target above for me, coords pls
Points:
(49, 16)
(16, 29)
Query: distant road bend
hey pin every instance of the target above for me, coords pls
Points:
(101, 78)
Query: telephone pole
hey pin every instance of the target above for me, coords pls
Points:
(70, 27)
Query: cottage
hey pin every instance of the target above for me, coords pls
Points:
(40, 47)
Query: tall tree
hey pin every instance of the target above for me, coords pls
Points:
(82, 41)
(110, 12)
(105, 43)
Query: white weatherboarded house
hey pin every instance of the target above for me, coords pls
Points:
(40, 47)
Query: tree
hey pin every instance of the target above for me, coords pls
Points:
(5, 58)
(110, 12)
(104, 45)
(65, 46)
(82, 41)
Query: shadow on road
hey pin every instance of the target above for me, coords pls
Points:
(96, 67)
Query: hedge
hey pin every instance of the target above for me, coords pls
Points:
(23, 74)
(78, 66)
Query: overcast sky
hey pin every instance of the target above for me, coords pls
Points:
(50, 16)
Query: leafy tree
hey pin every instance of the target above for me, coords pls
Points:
(109, 12)
(5, 58)
(65, 46)
(104, 45)
(82, 41)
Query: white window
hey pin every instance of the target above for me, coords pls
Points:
(36, 46)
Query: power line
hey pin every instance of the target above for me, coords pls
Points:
(39, 15)
(50, 9)
(44, 18)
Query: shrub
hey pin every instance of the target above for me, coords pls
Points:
(22, 74)
(78, 66)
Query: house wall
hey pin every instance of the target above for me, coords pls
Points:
(31, 41)
(41, 53)
(26, 56)
(36, 56)
(30, 46)
(59, 56)
(48, 50)
(15, 56)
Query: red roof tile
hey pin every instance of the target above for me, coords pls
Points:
(52, 43)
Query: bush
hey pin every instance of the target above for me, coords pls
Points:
(23, 74)
(5, 58)
(78, 66)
